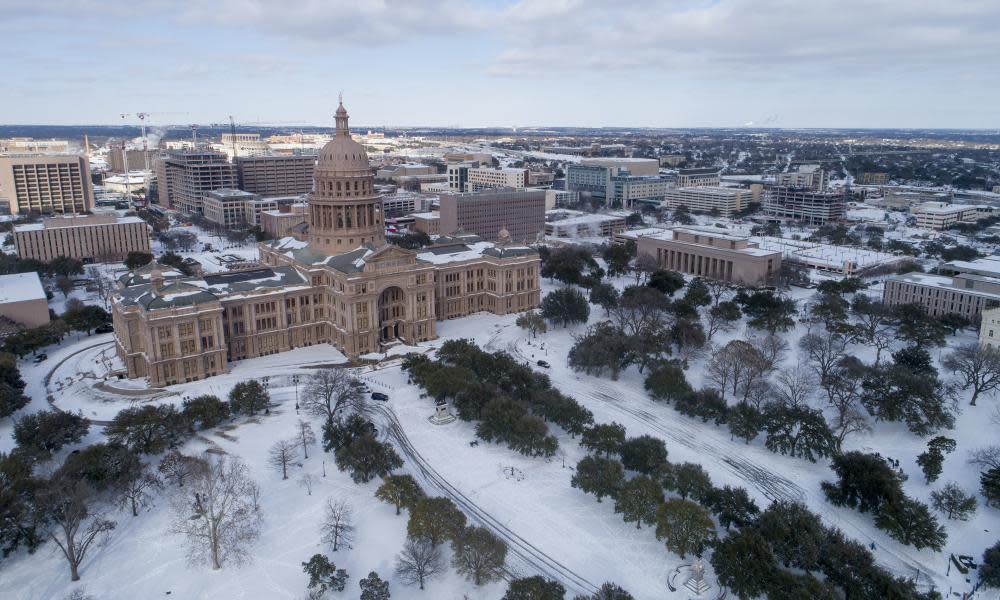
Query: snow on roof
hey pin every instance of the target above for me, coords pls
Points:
(461, 252)
(988, 265)
(426, 215)
(21, 287)
(647, 232)
(827, 255)
(42, 225)
(584, 220)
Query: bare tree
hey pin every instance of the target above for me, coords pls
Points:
(823, 350)
(282, 454)
(306, 437)
(986, 458)
(717, 289)
(176, 468)
(843, 389)
(338, 530)
(219, 513)
(737, 366)
(874, 325)
(419, 561)
(644, 265)
(796, 385)
(978, 366)
(307, 481)
(329, 392)
(72, 524)
(134, 487)
(772, 347)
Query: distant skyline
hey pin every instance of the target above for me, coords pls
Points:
(687, 63)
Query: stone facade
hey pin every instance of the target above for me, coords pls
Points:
(343, 286)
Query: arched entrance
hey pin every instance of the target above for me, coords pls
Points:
(391, 314)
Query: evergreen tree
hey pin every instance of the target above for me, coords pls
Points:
(990, 486)
(865, 482)
(638, 500)
(599, 476)
(686, 526)
(798, 431)
(147, 429)
(324, 575)
(367, 458)
(745, 421)
(535, 587)
(603, 348)
(566, 306)
(796, 534)
(954, 502)
(697, 293)
(604, 295)
(40, 434)
(604, 437)
(402, 491)
(436, 519)
(645, 454)
(339, 434)
(733, 506)
(744, 563)
(688, 480)
(205, 411)
(666, 282)
(666, 381)
(248, 397)
(373, 588)
(989, 570)
(912, 523)
(11, 399)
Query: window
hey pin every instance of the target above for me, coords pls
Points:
(185, 329)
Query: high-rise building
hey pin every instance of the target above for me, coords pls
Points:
(458, 174)
(138, 160)
(520, 212)
(184, 177)
(47, 184)
(802, 204)
(271, 175)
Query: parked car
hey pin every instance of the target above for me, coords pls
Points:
(544, 364)
(106, 328)
(39, 358)
(380, 397)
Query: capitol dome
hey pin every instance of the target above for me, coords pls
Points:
(342, 153)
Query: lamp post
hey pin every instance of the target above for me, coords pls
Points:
(295, 380)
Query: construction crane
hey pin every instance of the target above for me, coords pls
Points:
(232, 134)
(142, 116)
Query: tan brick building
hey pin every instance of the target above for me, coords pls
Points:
(486, 213)
(344, 286)
(47, 184)
(89, 238)
(273, 175)
(711, 254)
(22, 299)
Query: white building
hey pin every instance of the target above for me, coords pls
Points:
(707, 199)
(941, 215)
(805, 176)
(242, 144)
(486, 179)
(643, 167)
(560, 199)
(989, 331)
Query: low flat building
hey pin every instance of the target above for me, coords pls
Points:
(712, 254)
(22, 299)
(641, 167)
(575, 224)
(588, 179)
(88, 238)
(972, 288)
(807, 206)
(397, 172)
(253, 207)
(672, 160)
(31, 145)
(726, 201)
(427, 222)
(697, 177)
(627, 191)
(276, 223)
(242, 144)
(874, 178)
(540, 178)
(560, 199)
(405, 203)
(487, 213)
(941, 215)
(227, 207)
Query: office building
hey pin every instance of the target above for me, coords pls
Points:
(88, 238)
(401, 204)
(23, 301)
(137, 160)
(401, 171)
(458, 174)
(242, 144)
(540, 178)
(227, 207)
(941, 215)
(874, 178)
(588, 179)
(699, 177)
(487, 213)
(273, 175)
(185, 177)
(485, 178)
(672, 160)
(989, 330)
(642, 167)
(253, 208)
(707, 199)
(629, 191)
(46, 184)
(560, 199)
(344, 286)
(810, 177)
(27, 145)
(807, 206)
(711, 253)
(427, 222)
(972, 288)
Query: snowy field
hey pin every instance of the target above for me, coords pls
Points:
(550, 527)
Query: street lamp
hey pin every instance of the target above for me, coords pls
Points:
(295, 380)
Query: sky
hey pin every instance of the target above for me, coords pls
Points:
(594, 63)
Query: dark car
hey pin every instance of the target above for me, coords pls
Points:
(39, 358)
(380, 397)
(543, 364)
(106, 328)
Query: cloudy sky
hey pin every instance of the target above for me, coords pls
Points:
(721, 63)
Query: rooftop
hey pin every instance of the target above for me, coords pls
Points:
(53, 222)
(21, 287)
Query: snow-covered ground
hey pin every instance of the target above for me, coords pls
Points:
(550, 527)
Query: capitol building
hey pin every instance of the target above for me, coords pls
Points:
(344, 285)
